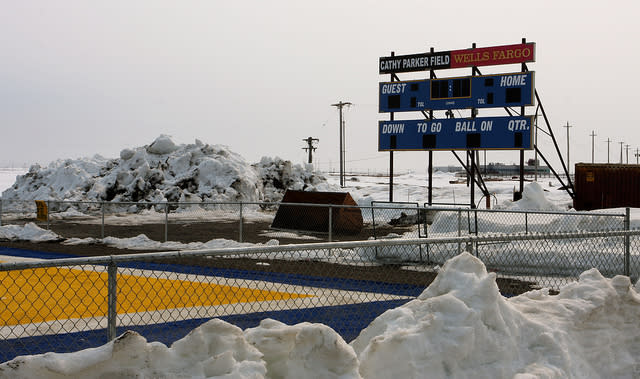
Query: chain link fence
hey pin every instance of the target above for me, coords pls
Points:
(254, 222)
(70, 304)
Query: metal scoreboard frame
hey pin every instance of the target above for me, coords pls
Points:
(464, 92)
(509, 90)
(480, 133)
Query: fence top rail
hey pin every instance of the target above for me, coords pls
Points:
(115, 259)
(401, 206)
(528, 211)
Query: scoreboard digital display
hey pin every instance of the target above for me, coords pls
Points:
(484, 91)
(480, 133)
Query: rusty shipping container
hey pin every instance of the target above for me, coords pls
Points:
(602, 185)
(344, 220)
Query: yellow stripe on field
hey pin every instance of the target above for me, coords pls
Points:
(47, 294)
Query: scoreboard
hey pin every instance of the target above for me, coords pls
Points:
(502, 90)
(480, 133)
(484, 91)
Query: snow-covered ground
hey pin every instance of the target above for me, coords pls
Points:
(459, 327)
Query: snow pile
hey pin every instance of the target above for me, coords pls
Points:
(304, 350)
(214, 349)
(164, 171)
(142, 242)
(278, 175)
(462, 327)
(459, 327)
(33, 233)
(533, 198)
(28, 232)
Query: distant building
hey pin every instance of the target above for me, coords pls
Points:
(448, 168)
(500, 169)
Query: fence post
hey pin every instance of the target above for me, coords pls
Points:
(459, 229)
(240, 226)
(330, 223)
(166, 221)
(112, 314)
(526, 222)
(627, 247)
(102, 223)
(475, 245)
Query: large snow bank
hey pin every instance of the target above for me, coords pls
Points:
(459, 327)
(533, 198)
(462, 327)
(164, 171)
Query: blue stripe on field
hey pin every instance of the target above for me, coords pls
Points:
(399, 289)
(33, 254)
(346, 320)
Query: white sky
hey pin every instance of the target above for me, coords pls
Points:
(80, 78)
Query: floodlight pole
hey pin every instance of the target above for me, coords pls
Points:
(340, 105)
(608, 143)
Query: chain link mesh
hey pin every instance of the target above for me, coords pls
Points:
(63, 305)
(254, 222)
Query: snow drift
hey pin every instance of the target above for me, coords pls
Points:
(164, 171)
(533, 198)
(460, 326)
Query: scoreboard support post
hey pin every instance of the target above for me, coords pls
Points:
(524, 68)
(471, 152)
(393, 76)
(432, 75)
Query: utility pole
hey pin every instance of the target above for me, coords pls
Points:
(621, 143)
(568, 164)
(593, 134)
(637, 155)
(310, 148)
(627, 148)
(608, 143)
(340, 105)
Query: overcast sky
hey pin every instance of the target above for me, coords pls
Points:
(79, 78)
